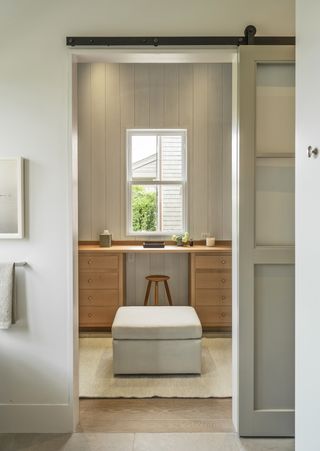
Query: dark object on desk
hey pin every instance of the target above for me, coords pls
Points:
(155, 244)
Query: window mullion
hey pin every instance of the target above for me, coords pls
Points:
(156, 182)
(159, 187)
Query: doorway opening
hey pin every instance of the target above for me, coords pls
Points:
(167, 92)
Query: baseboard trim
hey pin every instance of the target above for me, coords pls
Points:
(36, 418)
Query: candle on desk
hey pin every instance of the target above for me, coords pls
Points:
(210, 241)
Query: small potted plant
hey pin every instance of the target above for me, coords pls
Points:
(181, 240)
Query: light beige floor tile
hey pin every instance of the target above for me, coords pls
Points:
(186, 442)
(6, 442)
(208, 442)
(267, 444)
(140, 442)
(66, 442)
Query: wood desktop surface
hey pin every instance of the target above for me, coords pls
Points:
(168, 249)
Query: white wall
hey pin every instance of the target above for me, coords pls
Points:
(307, 227)
(35, 355)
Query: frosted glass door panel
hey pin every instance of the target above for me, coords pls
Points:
(274, 337)
(275, 201)
(275, 108)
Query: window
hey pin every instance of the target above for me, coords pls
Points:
(156, 178)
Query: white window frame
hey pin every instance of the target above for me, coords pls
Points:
(130, 182)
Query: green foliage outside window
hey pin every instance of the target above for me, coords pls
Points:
(144, 210)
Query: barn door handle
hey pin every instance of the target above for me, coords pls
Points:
(312, 151)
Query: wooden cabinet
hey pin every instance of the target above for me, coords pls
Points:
(210, 289)
(100, 288)
(101, 282)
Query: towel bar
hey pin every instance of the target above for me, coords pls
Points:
(20, 264)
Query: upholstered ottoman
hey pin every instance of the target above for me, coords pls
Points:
(156, 340)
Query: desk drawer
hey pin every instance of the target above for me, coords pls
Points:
(89, 280)
(216, 279)
(213, 297)
(213, 262)
(92, 261)
(215, 316)
(96, 316)
(99, 298)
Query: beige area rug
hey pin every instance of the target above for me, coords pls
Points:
(97, 380)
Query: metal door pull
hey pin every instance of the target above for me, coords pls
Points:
(312, 151)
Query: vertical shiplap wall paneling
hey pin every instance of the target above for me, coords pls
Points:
(186, 121)
(98, 146)
(84, 149)
(140, 268)
(113, 150)
(115, 97)
(141, 96)
(171, 96)
(214, 205)
(156, 80)
(176, 266)
(226, 150)
(182, 272)
(199, 181)
(126, 121)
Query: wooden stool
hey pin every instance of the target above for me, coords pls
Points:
(156, 280)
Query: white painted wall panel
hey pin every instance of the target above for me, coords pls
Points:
(98, 135)
(84, 150)
(307, 227)
(113, 150)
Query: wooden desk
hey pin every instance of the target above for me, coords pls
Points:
(102, 282)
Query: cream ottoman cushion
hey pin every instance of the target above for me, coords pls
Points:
(156, 340)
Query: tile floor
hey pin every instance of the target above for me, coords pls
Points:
(140, 442)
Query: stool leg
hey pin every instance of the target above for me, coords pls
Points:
(156, 294)
(147, 293)
(168, 292)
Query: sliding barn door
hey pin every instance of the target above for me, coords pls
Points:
(266, 241)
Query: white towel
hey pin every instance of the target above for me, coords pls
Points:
(7, 295)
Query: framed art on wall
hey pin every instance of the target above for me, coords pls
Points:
(11, 198)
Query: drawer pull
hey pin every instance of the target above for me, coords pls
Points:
(90, 298)
(90, 280)
(223, 314)
(90, 315)
(223, 280)
(223, 298)
(90, 261)
(223, 262)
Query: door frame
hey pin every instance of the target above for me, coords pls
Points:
(154, 55)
